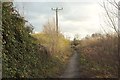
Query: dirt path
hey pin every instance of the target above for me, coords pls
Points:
(72, 70)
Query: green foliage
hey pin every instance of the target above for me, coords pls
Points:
(20, 53)
(28, 55)
(60, 48)
(57, 47)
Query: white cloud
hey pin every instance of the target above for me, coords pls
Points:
(75, 18)
(83, 23)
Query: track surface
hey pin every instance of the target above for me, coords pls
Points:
(72, 70)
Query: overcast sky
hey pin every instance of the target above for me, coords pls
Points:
(83, 17)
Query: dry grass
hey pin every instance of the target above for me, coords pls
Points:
(99, 55)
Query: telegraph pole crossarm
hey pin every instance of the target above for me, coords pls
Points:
(56, 10)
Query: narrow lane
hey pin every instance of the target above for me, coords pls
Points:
(72, 70)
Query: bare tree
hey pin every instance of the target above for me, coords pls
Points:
(112, 10)
(50, 30)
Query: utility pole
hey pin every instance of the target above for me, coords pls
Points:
(56, 10)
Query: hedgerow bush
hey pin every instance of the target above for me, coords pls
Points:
(26, 56)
